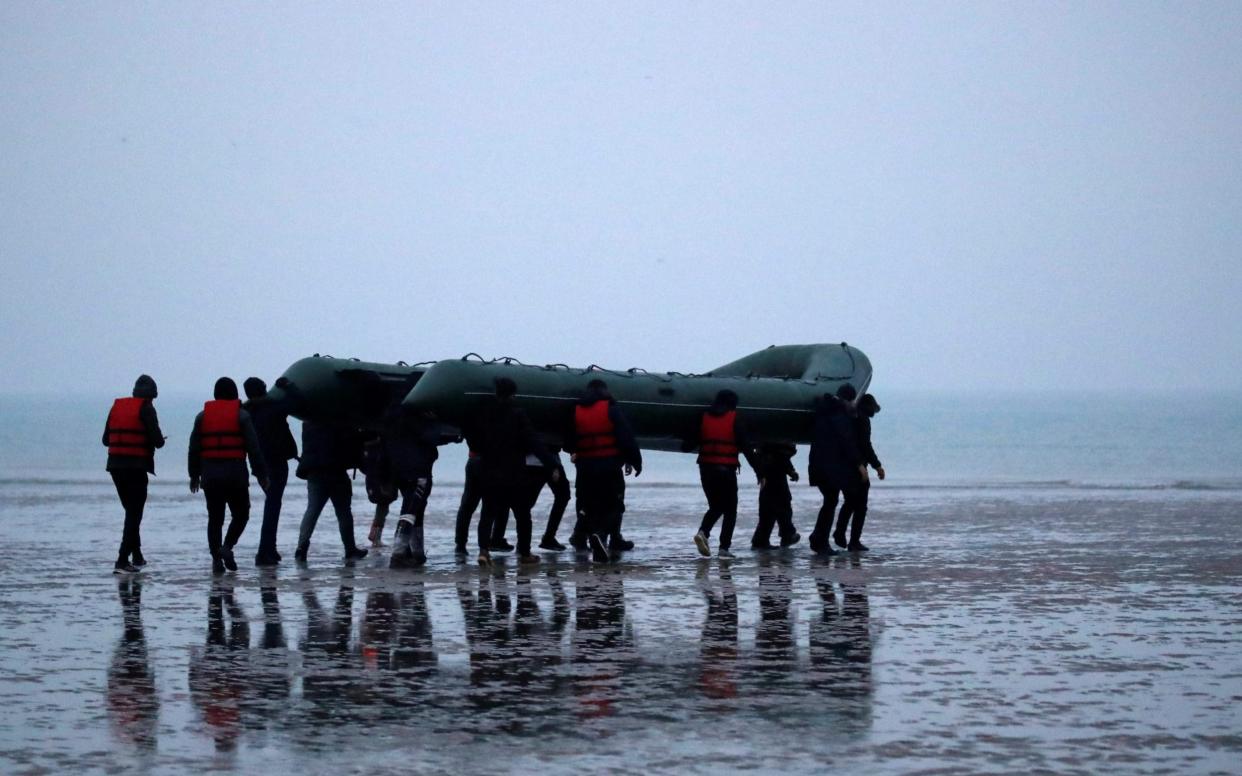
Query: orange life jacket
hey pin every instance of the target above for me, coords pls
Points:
(126, 434)
(597, 437)
(220, 432)
(718, 445)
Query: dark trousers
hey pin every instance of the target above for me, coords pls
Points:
(775, 509)
(131, 486)
(832, 492)
(535, 478)
(504, 492)
(235, 495)
(720, 487)
(277, 479)
(319, 491)
(855, 508)
(414, 495)
(471, 495)
(600, 491)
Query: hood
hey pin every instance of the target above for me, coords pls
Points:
(144, 387)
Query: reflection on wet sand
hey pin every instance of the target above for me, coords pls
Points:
(133, 705)
(840, 646)
(218, 669)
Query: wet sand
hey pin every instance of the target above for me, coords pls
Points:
(987, 631)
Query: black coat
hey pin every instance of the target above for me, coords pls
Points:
(502, 434)
(328, 449)
(410, 444)
(271, 423)
(835, 457)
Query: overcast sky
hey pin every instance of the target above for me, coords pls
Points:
(980, 196)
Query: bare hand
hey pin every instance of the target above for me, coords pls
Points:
(793, 477)
(762, 482)
(263, 484)
(556, 475)
(880, 472)
(194, 484)
(863, 471)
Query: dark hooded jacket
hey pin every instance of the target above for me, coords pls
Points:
(862, 428)
(144, 388)
(328, 449)
(221, 470)
(834, 457)
(410, 443)
(626, 444)
(271, 422)
(502, 434)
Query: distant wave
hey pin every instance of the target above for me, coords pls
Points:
(1211, 486)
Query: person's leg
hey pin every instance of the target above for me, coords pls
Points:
(762, 537)
(520, 506)
(861, 495)
(710, 480)
(728, 498)
(471, 494)
(277, 479)
(216, 504)
(843, 518)
(317, 490)
(560, 500)
(132, 492)
(341, 494)
(376, 534)
(784, 515)
(616, 541)
(493, 504)
(823, 524)
(237, 496)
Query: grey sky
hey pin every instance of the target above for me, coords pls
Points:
(977, 195)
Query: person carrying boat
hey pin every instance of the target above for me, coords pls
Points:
(503, 435)
(132, 435)
(854, 509)
(411, 446)
(720, 437)
(271, 423)
(602, 446)
(775, 469)
(328, 453)
(222, 439)
(471, 496)
(380, 485)
(836, 465)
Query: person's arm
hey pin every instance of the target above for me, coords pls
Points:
(569, 432)
(151, 422)
(868, 451)
(791, 471)
(843, 427)
(628, 446)
(744, 446)
(194, 462)
(105, 434)
(531, 441)
(253, 451)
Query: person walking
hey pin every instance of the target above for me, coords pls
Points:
(271, 423)
(720, 438)
(328, 452)
(380, 484)
(504, 436)
(603, 448)
(776, 471)
(854, 509)
(411, 444)
(132, 435)
(835, 465)
(471, 496)
(222, 439)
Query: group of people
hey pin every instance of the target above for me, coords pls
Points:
(507, 469)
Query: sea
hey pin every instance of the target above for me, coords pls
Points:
(1054, 585)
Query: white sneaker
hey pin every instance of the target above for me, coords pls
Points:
(700, 541)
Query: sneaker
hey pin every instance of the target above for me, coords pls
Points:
(857, 547)
(137, 560)
(124, 567)
(823, 549)
(485, 559)
(761, 546)
(620, 544)
(700, 541)
(724, 552)
(357, 553)
(461, 551)
(551, 544)
(839, 540)
(300, 554)
(528, 559)
(230, 562)
(268, 559)
(791, 540)
(217, 566)
(579, 543)
(598, 550)
(501, 546)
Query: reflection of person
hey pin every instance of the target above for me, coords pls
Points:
(218, 682)
(270, 675)
(840, 653)
(132, 435)
(602, 645)
(718, 652)
(133, 705)
(836, 464)
(775, 644)
(855, 505)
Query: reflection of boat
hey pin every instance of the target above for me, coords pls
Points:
(776, 387)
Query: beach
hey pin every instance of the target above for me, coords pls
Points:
(988, 630)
